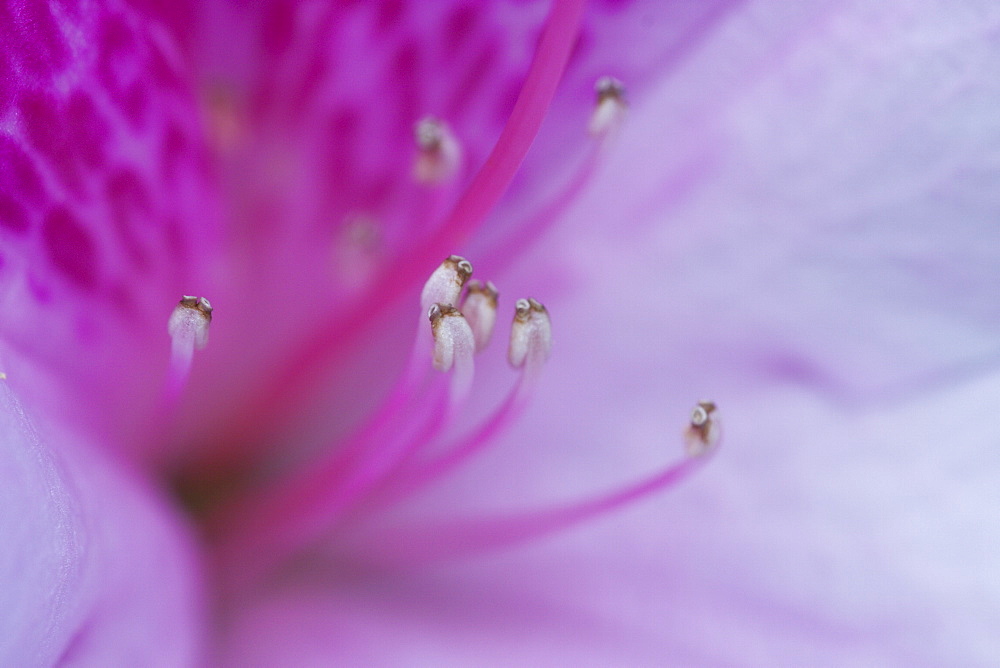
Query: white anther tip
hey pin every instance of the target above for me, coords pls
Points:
(480, 308)
(609, 111)
(702, 433)
(453, 338)
(189, 322)
(439, 154)
(530, 334)
(446, 282)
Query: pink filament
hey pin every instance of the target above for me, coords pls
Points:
(530, 232)
(488, 186)
(413, 546)
(419, 476)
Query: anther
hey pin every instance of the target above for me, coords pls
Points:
(453, 339)
(188, 324)
(480, 309)
(702, 433)
(446, 282)
(439, 155)
(610, 109)
(530, 334)
(188, 329)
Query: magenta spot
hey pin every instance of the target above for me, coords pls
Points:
(45, 126)
(164, 74)
(70, 248)
(389, 14)
(131, 210)
(405, 77)
(308, 85)
(341, 147)
(13, 217)
(406, 61)
(8, 84)
(117, 63)
(475, 77)
(458, 28)
(43, 123)
(88, 131)
(278, 28)
(173, 236)
(17, 175)
(172, 153)
(135, 104)
(116, 37)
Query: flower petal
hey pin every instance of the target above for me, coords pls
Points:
(819, 259)
(808, 239)
(316, 115)
(96, 570)
(104, 216)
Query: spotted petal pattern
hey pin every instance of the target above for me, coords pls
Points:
(104, 217)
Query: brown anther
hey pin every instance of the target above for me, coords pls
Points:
(702, 432)
(461, 266)
(486, 289)
(429, 134)
(199, 304)
(609, 88)
(523, 308)
(439, 311)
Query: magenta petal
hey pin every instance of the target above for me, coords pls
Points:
(95, 569)
(104, 217)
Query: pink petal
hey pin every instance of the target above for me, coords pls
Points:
(321, 101)
(105, 218)
(96, 569)
(798, 225)
(806, 238)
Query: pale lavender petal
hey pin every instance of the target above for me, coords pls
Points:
(96, 569)
(104, 216)
(799, 226)
(808, 238)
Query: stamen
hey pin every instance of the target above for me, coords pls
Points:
(558, 38)
(530, 335)
(491, 181)
(452, 335)
(188, 328)
(454, 346)
(703, 433)
(611, 107)
(480, 310)
(188, 324)
(416, 544)
(313, 500)
(439, 155)
(446, 283)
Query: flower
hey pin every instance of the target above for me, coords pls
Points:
(746, 180)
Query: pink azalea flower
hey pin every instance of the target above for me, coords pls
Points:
(783, 224)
